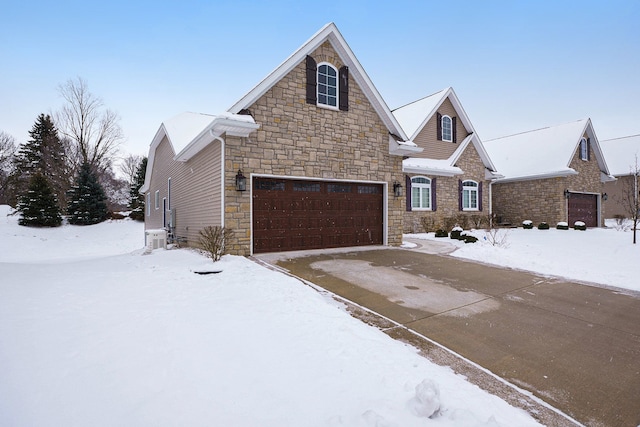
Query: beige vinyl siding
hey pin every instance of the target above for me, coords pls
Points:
(195, 190)
(427, 138)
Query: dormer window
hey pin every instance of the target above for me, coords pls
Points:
(327, 85)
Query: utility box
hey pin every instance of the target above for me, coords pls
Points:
(155, 239)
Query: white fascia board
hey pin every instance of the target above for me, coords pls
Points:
(405, 148)
(556, 174)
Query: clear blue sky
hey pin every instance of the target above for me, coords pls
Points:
(515, 65)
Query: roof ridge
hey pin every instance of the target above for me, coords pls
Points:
(420, 99)
(620, 137)
(534, 130)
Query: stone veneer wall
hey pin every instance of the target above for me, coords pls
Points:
(297, 139)
(543, 199)
(447, 202)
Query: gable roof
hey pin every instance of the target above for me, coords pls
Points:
(331, 34)
(188, 133)
(414, 116)
(543, 153)
(621, 154)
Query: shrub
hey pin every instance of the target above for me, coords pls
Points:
(462, 220)
(497, 237)
(622, 224)
(456, 233)
(116, 215)
(213, 240)
(543, 226)
(468, 238)
(579, 225)
(527, 224)
(441, 233)
(428, 224)
(562, 226)
(450, 222)
(477, 221)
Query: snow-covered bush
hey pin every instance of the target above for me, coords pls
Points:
(621, 223)
(543, 226)
(441, 233)
(497, 237)
(456, 233)
(579, 225)
(527, 224)
(562, 226)
(426, 402)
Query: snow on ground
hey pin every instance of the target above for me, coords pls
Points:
(600, 255)
(93, 332)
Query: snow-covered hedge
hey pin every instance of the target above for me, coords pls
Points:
(456, 233)
(543, 226)
(562, 226)
(527, 224)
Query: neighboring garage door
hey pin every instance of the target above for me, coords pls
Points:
(583, 207)
(296, 214)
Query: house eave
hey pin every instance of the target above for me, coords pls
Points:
(533, 177)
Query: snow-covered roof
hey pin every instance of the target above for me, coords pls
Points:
(436, 167)
(188, 133)
(621, 154)
(413, 116)
(542, 153)
(331, 34)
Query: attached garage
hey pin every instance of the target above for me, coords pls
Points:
(293, 214)
(583, 207)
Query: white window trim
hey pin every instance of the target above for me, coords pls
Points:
(470, 188)
(148, 204)
(169, 193)
(442, 127)
(421, 185)
(583, 143)
(329, 107)
(157, 199)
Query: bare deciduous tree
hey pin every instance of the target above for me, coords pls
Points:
(129, 167)
(630, 199)
(7, 152)
(91, 127)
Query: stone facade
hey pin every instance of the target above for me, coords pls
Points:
(447, 194)
(301, 140)
(543, 200)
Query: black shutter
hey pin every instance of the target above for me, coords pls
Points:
(407, 182)
(453, 129)
(343, 90)
(434, 206)
(480, 196)
(439, 126)
(588, 148)
(312, 78)
(459, 194)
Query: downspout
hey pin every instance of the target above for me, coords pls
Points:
(491, 203)
(222, 177)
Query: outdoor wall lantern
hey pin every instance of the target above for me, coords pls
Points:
(605, 196)
(397, 189)
(566, 193)
(241, 181)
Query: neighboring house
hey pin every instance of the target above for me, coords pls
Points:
(307, 159)
(623, 159)
(552, 174)
(451, 176)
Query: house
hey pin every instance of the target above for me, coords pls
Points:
(551, 175)
(306, 159)
(450, 177)
(623, 159)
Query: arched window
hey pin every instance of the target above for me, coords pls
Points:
(447, 129)
(420, 193)
(584, 149)
(327, 85)
(469, 195)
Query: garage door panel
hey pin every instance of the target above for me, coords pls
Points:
(583, 207)
(313, 214)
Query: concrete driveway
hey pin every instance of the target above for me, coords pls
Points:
(575, 346)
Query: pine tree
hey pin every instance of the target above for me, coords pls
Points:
(87, 201)
(39, 206)
(137, 203)
(43, 154)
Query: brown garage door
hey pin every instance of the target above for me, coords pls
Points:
(583, 207)
(295, 214)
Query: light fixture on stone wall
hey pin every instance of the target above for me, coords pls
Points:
(241, 181)
(566, 193)
(605, 196)
(397, 189)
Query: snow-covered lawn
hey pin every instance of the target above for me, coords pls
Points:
(599, 255)
(92, 332)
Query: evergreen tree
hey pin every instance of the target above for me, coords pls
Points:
(39, 206)
(43, 154)
(137, 203)
(87, 201)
